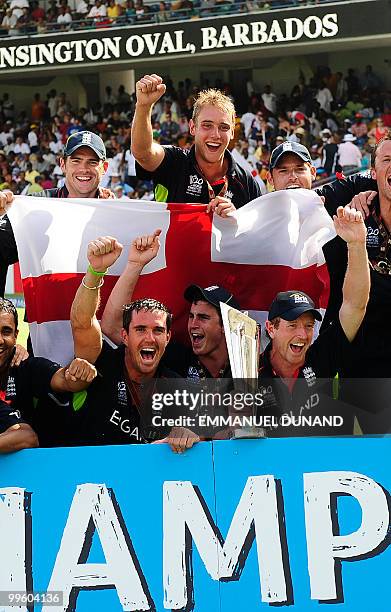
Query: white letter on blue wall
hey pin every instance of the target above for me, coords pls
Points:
(95, 508)
(15, 541)
(324, 544)
(257, 515)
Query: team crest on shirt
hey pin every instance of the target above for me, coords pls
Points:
(373, 236)
(229, 195)
(86, 138)
(11, 389)
(193, 374)
(309, 375)
(122, 395)
(195, 185)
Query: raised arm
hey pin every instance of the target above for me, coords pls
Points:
(87, 335)
(148, 153)
(142, 250)
(349, 225)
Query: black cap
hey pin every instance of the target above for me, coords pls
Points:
(85, 139)
(289, 305)
(289, 147)
(213, 295)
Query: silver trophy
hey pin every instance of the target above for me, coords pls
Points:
(243, 342)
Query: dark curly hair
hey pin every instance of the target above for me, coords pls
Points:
(147, 304)
(8, 306)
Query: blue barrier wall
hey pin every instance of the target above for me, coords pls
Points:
(227, 526)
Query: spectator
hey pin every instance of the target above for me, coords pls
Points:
(377, 132)
(64, 18)
(163, 14)
(370, 81)
(359, 129)
(30, 173)
(120, 193)
(324, 97)
(20, 147)
(341, 91)
(37, 12)
(35, 186)
(168, 111)
(81, 10)
(130, 11)
(123, 99)
(270, 100)
(98, 11)
(37, 109)
(109, 99)
(349, 154)
(7, 107)
(169, 131)
(24, 21)
(9, 23)
(113, 10)
(116, 181)
(64, 106)
(330, 160)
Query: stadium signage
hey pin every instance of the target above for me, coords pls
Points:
(187, 518)
(159, 41)
(259, 537)
(142, 42)
(147, 44)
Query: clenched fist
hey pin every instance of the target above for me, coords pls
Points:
(149, 89)
(6, 199)
(103, 252)
(80, 370)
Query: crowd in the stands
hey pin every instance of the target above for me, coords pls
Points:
(337, 116)
(21, 17)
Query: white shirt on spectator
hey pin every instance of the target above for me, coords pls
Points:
(324, 97)
(19, 4)
(270, 101)
(98, 11)
(33, 139)
(4, 137)
(57, 171)
(246, 121)
(349, 154)
(82, 7)
(21, 148)
(50, 158)
(8, 148)
(10, 21)
(55, 147)
(64, 19)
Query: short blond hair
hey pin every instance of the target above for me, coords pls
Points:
(213, 97)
